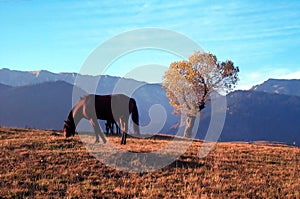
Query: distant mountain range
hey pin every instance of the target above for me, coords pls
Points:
(255, 116)
(42, 99)
(279, 86)
(42, 105)
(22, 78)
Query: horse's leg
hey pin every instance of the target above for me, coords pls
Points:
(124, 129)
(117, 129)
(123, 140)
(121, 126)
(97, 130)
(112, 128)
(107, 127)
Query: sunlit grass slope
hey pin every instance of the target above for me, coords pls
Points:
(43, 164)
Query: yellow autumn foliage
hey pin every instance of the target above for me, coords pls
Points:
(189, 83)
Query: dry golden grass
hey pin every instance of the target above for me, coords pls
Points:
(42, 164)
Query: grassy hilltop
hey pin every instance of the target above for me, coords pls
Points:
(43, 164)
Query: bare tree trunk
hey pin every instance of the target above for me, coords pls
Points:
(189, 124)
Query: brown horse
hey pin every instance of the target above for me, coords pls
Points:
(115, 107)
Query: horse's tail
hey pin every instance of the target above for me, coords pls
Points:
(135, 116)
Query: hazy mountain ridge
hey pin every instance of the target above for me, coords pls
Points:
(279, 86)
(4, 87)
(257, 114)
(262, 116)
(22, 78)
(46, 105)
(42, 105)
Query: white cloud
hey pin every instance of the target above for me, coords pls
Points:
(244, 87)
(294, 75)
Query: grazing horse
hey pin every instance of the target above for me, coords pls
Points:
(115, 107)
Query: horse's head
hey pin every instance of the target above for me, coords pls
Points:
(69, 129)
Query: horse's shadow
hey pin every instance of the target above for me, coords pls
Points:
(145, 162)
(135, 160)
(181, 162)
(186, 162)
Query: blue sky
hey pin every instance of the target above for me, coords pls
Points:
(261, 37)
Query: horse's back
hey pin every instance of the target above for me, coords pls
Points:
(109, 106)
(104, 100)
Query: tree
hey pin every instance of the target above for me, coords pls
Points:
(188, 84)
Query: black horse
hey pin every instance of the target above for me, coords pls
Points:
(115, 107)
